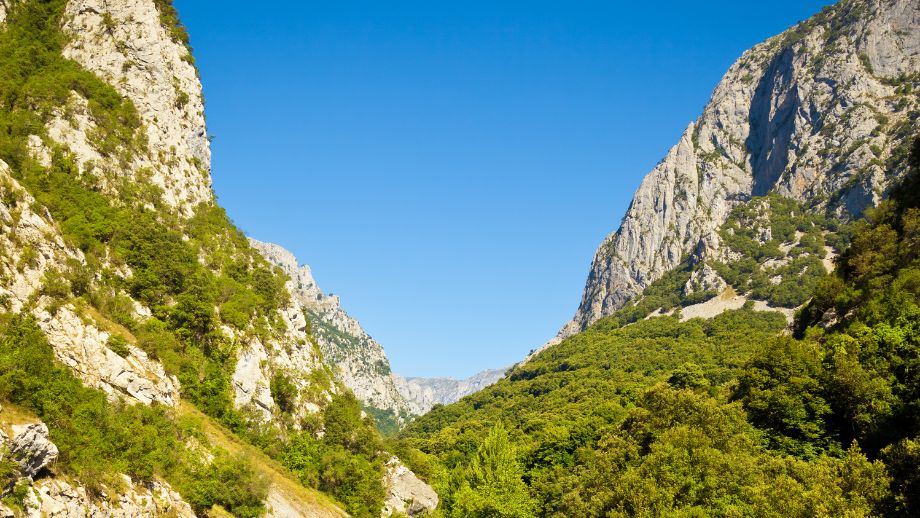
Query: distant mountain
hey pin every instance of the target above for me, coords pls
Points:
(424, 393)
(356, 358)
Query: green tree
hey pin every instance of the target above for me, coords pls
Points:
(781, 390)
(491, 485)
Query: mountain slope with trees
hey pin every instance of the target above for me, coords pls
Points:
(129, 301)
(727, 416)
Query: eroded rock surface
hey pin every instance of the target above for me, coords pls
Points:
(32, 448)
(357, 360)
(125, 43)
(406, 493)
(817, 114)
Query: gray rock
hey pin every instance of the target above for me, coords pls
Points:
(32, 448)
(55, 498)
(424, 393)
(406, 493)
(812, 114)
(125, 43)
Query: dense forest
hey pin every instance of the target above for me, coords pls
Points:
(733, 416)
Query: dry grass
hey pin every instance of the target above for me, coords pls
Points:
(284, 489)
(14, 414)
(100, 321)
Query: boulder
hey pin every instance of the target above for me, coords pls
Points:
(32, 448)
(406, 493)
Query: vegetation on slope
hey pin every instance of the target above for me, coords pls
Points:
(98, 440)
(778, 248)
(775, 252)
(196, 275)
(718, 417)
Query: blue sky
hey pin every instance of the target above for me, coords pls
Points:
(448, 168)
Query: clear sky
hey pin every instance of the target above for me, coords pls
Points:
(448, 168)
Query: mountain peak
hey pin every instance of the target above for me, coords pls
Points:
(818, 114)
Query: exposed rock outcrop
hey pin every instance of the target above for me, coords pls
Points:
(291, 354)
(31, 448)
(820, 114)
(406, 493)
(84, 349)
(424, 393)
(31, 248)
(356, 358)
(52, 496)
(57, 498)
(126, 44)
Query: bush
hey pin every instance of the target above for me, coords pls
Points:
(229, 482)
(284, 392)
(118, 345)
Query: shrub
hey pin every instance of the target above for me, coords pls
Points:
(118, 345)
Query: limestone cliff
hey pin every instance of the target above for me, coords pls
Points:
(114, 250)
(126, 43)
(821, 114)
(356, 358)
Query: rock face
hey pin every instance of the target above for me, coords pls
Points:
(31, 247)
(289, 353)
(32, 448)
(54, 498)
(821, 113)
(406, 493)
(424, 393)
(356, 358)
(50, 496)
(126, 44)
(84, 349)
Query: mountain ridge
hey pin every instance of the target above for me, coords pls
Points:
(359, 360)
(423, 393)
(772, 124)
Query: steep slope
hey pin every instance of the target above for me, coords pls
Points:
(423, 393)
(127, 296)
(820, 114)
(725, 416)
(357, 359)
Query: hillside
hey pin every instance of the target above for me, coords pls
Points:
(159, 349)
(726, 416)
(821, 114)
(677, 389)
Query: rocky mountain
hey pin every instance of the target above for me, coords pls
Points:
(130, 303)
(359, 361)
(820, 115)
(356, 358)
(423, 393)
